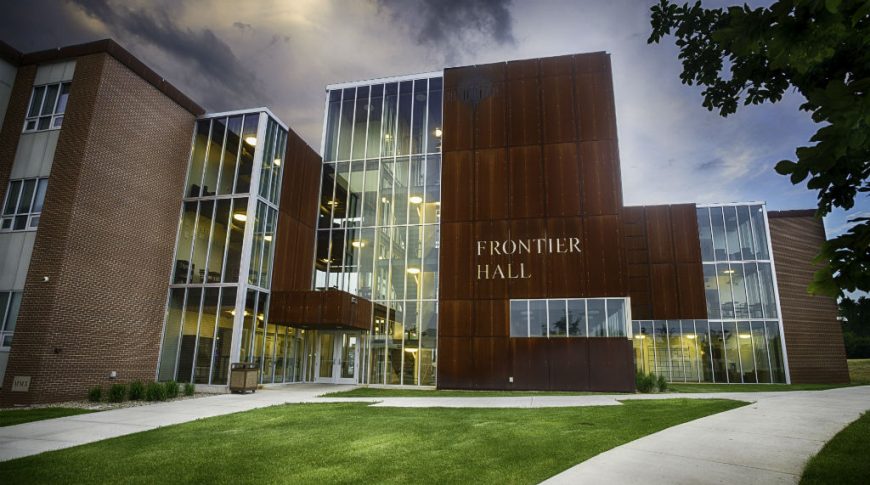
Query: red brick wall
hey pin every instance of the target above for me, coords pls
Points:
(105, 239)
(813, 337)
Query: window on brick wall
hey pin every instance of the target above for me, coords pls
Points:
(10, 301)
(23, 204)
(47, 106)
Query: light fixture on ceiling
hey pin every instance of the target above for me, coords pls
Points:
(268, 237)
(415, 199)
(690, 335)
(251, 140)
(438, 133)
(240, 216)
(728, 271)
(744, 335)
(332, 203)
(413, 270)
(640, 336)
(277, 162)
(358, 244)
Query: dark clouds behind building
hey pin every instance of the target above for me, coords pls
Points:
(230, 55)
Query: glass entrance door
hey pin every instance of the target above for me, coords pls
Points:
(348, 347)
(337, 358)
(325, 357)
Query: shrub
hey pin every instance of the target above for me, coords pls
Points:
(95, 394)
(137, 391)
(171, 389)
(644, 382)
(117, 392)
(155, 392)
(662, 384)
(189, 389)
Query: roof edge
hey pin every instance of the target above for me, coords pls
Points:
(109, 46)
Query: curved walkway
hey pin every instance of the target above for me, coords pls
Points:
(768, 441)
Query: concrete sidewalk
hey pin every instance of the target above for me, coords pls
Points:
(768, 441)
(771, 438)
(53, 434)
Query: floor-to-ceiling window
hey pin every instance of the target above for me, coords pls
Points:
(378, 231)
(219, 286)
(741, 341)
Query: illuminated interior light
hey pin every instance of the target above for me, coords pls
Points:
(240, 216)
(413, 270)
(268, 237)
(358, 244)
(415, 199)
(251, 140)
(438, 132)
(277, 162)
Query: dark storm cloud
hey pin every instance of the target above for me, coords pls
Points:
(453, 26)
(223, 76)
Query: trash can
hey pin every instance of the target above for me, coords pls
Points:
(243, 377)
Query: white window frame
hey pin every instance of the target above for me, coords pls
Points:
(4, 317)
(31, 123)
(31, 215)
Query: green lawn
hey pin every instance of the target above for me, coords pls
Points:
(388, 392)
(355, 443)
(9, 417)
(859, 371)
(843, 460)
(704, 387)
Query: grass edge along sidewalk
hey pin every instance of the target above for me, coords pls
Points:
(843, 460)
(352, 442)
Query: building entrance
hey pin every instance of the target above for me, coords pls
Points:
(337, 357)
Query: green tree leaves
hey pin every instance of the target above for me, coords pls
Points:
(820, 48)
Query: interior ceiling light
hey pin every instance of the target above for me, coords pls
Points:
(358, 244)
(331, 202)
(640, 336)
(691, 335)
(438, 132)
(251, 140)
(729, 271)
(413, 270)
(277, 162)
(415, 199)
(240, 216)
(268, 237)
(744, 335)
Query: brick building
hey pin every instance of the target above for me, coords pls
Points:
(143, 239)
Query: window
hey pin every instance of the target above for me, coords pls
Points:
(47, 105)
(10, 301)
(589, 317)
(23, 204)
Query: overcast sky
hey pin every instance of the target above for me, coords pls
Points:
(232, 55)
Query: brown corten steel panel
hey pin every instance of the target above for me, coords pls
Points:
(562, 176)
(297, 216)
(660, 238)
(457, 186)
(492, 184)
(518, 125)
(332, 309)
(813, 336)
(102, 306)
(486, 261)
(524, 112)
(527, 185)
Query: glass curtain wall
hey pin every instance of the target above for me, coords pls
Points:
(378, 226)
(741, 342)
(219, 286)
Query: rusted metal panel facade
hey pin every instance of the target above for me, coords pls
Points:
(297, 215)
(813, 336)
(666, 277)
(529, 152)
